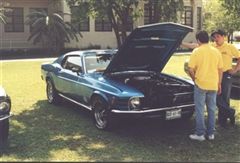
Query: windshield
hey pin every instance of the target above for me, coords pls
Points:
(97, 62)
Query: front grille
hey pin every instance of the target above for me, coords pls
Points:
(167, 100)
(183, 98)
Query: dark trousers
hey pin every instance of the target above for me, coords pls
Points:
(223, 100)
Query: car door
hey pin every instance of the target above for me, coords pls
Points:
(69, 74)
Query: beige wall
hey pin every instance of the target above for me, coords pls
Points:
(10, 40)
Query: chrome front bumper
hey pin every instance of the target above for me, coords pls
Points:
(6, 117)
(151, 110)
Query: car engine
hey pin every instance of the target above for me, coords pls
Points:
(160, 90)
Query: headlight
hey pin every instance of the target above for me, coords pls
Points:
(4, 107)
(134, 103)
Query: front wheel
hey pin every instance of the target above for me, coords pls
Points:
(52, 95)
(102, 116)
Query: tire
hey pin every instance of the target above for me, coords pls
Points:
(4, 132)
(102, 117)
(52, 94)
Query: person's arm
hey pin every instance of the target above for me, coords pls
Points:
(189, 45)
(220, 73)
(191, 73)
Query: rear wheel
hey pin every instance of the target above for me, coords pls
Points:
(4, 132)
(102, 116)
(52, 95)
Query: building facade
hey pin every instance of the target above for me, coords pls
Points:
(14, 34)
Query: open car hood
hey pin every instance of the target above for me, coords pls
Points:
(148, 48)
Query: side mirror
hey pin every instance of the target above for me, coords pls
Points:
(78, 70)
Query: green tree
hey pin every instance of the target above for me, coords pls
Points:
(219, 16)
(2, 10)
(50, 30)
(119, 12)
(2, 16)
(233, 10)
(116, 11)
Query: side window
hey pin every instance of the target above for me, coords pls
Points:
(72, 63)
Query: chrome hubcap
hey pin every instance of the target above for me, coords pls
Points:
(50, 91)
(100, 116)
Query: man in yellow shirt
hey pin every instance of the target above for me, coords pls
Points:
(205, 69)
(228, 52)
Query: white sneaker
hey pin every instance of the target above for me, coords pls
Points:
(197, 137)
(211, 137)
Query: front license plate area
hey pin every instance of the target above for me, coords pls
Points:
(173, 114)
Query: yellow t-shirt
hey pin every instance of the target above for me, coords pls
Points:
(228, 52)
(206, 61)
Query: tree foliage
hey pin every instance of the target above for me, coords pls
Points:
(232, 6)
(2, 16)
(50, 29)
(233, 12)
(222, 14)
(2, 11)
(119, 12)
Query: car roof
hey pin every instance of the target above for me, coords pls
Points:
(98, 51)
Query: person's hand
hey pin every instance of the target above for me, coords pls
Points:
(232, 71)
(219, 89)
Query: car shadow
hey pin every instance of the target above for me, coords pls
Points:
(44, 128)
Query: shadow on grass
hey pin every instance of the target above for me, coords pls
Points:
(65, 132)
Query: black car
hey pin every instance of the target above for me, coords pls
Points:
(5, 107)
(236, 82)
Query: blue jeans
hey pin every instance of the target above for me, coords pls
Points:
(202, 98)
(223, 100)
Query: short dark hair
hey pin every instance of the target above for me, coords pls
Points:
(202, 36)
(219, 31)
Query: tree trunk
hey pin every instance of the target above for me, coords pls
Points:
(114, 26)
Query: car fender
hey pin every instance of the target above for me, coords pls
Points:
(98, 93)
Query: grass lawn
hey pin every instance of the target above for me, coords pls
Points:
(43, 132)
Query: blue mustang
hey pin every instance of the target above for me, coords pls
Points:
(127, 81)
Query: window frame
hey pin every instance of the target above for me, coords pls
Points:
(148, 13)
(102, 24)
(199, 18)
(186, 19)
(65, 62)
(14, 22)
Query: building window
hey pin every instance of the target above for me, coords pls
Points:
(81, 23)
(42, 10)
(102, 24)
(14, 20)
(148, 13)
(187, 16)
(199, 18)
